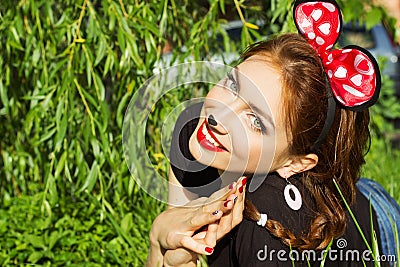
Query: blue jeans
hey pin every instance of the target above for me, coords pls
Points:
(387, 212)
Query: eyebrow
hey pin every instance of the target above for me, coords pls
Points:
(259, 111)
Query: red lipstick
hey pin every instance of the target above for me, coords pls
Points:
(208, 140)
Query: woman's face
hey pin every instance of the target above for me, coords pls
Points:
(249, 136)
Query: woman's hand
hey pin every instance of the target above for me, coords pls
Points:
(175, 227)
(184, 257)
(231, 217)
(235, 214)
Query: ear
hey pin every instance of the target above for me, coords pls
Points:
(297, 164)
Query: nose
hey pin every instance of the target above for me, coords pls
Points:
(215, 126)
(211, 120)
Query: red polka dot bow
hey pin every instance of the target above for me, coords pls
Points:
(352, 71)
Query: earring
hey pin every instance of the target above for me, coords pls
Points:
(294, 204)
(211, 120)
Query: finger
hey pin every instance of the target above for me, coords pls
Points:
(195, 246)
(226, 191)
(230, 219)
(237, 197)
(237, 211)
(224, 205)
(225, 225)
(241, 184)
(223, 193)
(199, 218)
(228, 204)
(178, 257)
(200, 235)
(235, 186)
(211, 230)
(211, 235)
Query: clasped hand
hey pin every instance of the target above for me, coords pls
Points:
(180, 233)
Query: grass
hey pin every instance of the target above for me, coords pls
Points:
(383, 166)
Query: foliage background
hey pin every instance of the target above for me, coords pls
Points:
(67, 72)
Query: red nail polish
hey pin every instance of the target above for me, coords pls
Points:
(231, 186)
(226, 203)
(241, 189)
(209, 250)
(244, 180)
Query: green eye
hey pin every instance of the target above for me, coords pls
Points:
(256, 122)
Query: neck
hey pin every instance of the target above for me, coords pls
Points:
(229, 177)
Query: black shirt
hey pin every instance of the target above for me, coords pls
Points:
(251, 245)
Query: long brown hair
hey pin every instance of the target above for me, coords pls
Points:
(340, 155)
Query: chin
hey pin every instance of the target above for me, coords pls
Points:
(195, 150)
(203, 156)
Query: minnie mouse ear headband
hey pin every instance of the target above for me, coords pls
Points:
(352, 72)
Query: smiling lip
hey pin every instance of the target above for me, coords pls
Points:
(208, 140)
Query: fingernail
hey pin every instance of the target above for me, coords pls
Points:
(235, 199)
(241, 189)
(209, 250)
(232, 185)
(226, 203)
(215, 212)
(244, 180)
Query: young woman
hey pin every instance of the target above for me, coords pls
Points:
(274, 117)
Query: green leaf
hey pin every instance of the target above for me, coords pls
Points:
(222, 6)
(60, 164)
(127, 223)
(121, 40)
(91, 179)
(108, 64)
(36, 56)
(15, 35)
(101, 52)
(47, 135)
(53, 193)
(373, 17)
(100, 87)
(61, 131)
(89, 98)
(95, 147)
(54, 237)
(121, 106)
(35, 257)
(89, 72)
(35, 241)
(3, 95)
(111, 21)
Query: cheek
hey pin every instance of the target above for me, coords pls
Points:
(281, 151)
(261, 154)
